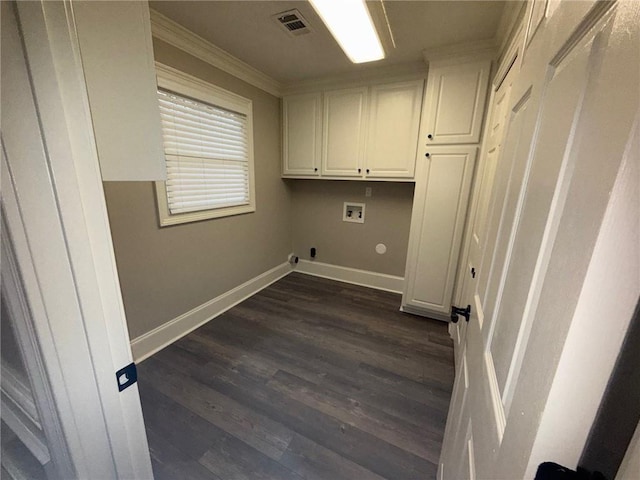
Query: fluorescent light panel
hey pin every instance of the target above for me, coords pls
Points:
(350, 24)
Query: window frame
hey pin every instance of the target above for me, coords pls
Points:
(169, 78)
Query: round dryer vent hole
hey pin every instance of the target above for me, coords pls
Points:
(381, 248)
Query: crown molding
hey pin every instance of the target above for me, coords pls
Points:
(165, 29)
(480, 49)
(370, 76)
(510, 25)
(511, 54)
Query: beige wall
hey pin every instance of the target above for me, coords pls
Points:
(167, 271)
(317, 222)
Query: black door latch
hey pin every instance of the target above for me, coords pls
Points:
(126, 376)
(455, 311)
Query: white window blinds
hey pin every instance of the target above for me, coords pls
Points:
(206, 150)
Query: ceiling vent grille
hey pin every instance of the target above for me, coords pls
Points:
(292, 22)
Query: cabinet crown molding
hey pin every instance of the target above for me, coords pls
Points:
(365, 78)
(165, 29)
(461, 52)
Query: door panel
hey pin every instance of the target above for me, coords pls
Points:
(494, 181)
(479, 229)
(301, 126)
(455, 100)
(345, 113)
(440, 207)
(560, 109)
(394, 120)
(57, 252)
(506, 189)
(559, 99)
(25, 444)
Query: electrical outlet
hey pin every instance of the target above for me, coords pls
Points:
(367, 191)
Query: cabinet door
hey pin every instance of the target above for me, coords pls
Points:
(302, 127)
(454, 103)
(394, 120)
(344, 132)
(443, 181)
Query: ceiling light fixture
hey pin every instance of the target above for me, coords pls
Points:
(350, 24)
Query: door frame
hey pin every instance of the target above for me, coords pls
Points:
(510, 60)
(82, 350)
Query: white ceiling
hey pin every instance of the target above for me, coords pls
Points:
(246, 30)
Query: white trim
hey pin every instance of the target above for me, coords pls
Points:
(152, 342)
(19, 393)
(184, 84)
(458, 52)
(27, 431)
(365, 278)
(175, 34)
(403, 72)
(19, 315)
(425, 312)
(453, 333)
(168, 219)
(316, 176)
(177, 81)
(507, 33)
(496, 398)
(75, 303)
(508, 59)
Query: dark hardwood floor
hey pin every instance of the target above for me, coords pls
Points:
(308, 379)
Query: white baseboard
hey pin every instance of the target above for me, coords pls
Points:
(365, 278)
(425, 313)
(151, 342)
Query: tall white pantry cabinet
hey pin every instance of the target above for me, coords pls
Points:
(449, 137)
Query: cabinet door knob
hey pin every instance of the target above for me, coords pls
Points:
(315, 169)
(367, 170)
(427, 154)
(430, 137)
(359, 170)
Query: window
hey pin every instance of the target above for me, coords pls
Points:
(208, 147)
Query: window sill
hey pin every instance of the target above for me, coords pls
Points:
(168, 220)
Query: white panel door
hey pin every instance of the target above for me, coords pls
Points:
(344, 132)
(439, 211)
(541, 194)
(478, 231)
(454, 103)
(394, 120)
(302, 134)
(58, 268)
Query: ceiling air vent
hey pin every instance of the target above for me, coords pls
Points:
(293, 22)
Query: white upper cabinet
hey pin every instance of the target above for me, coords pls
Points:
(394, 120)
(344, 129)
(302, 133)
(117, 56)
(369, 132)
(454, 102)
